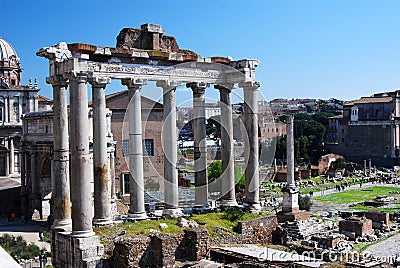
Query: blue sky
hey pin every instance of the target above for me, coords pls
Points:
(319, 49)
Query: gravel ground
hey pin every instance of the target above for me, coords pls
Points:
(390, 248)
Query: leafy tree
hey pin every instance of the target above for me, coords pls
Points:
(340, 163)
(323, 118)
(214, 170)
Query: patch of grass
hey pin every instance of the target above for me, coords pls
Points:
(352, 196)
(383, 209)
(210, 221)
(140, 227)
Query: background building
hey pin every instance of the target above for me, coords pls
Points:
(368, 129)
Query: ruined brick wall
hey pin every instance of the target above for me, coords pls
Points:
(256, 231)
(161, 250)
(378, 216)
(359, 227)
(130, 251)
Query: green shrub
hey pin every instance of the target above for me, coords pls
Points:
(232, 214)
(305, 202)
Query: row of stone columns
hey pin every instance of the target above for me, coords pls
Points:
(79, 140)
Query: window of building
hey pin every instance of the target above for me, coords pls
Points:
(125, 148)
(126, 183)
(13, 82)
(148, 147)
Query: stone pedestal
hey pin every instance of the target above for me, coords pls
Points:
(300, 215)
(74, 252)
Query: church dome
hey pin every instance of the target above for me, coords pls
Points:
(6, 51)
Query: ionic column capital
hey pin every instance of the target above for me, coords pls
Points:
(252, 85)
(99, 82)
(57, 80)
(133, 83)
(225, 86)
(168, 84)
(79, 77)
(197, 87)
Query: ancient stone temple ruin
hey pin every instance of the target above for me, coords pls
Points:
(290, 207)
(141, 55)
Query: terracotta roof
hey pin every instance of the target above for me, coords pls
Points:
(374, 100)
(44, 99)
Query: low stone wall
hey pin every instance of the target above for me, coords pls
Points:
(161, 250)
(128, 251)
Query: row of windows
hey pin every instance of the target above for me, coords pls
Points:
(148, 147)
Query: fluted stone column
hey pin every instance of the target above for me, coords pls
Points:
(81, 194)
(102, 212)
(200, 147)
(60, 173)
(227, 157)
(169, 139)
(137, 208)
(251, 153)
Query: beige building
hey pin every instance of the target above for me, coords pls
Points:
(152, 123)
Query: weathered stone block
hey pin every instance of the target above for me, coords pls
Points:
(378, 217)
(360, 227)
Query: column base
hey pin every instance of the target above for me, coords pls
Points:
(64, 225)
(102, 222)
(137, 216)
(254, 208)
(73, 252)
(299, 215)
(229, 203)
(82, 234)
(172, 213)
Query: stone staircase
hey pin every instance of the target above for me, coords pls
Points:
(304, 229)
